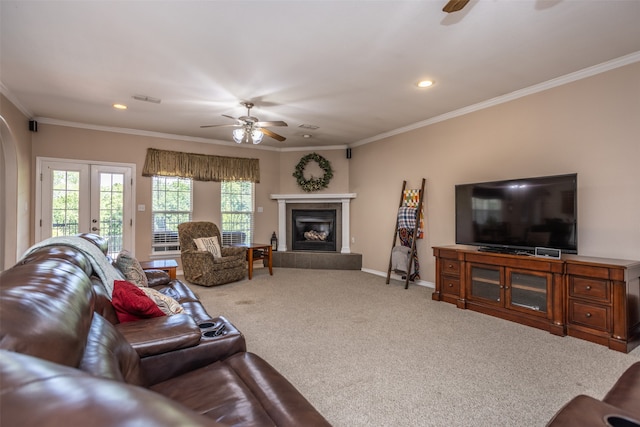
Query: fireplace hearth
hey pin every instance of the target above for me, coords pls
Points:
(313, 230)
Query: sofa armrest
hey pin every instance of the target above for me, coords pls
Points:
(162, 367)
(161, 334)
(157, 277)
(586, 411)
(625, 393)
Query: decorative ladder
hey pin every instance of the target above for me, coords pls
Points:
(413, 251)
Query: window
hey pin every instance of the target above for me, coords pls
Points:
(236, 205)
(171, 205)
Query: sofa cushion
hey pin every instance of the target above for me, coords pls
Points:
(131, 303)
(210, 244)
(109, 355)
(131, 268)
(39, 393)
(161, 335)
(233, 393)
(168, 305)
(46, 310)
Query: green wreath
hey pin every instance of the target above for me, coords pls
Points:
(313, 184)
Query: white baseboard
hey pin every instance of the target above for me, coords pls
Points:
(399, 277)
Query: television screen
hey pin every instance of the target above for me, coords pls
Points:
(519, 215)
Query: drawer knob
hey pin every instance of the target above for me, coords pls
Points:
(451, 285)
(588, 314)
(450, 266)
(588, 287)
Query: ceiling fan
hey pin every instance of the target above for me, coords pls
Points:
(249, 128)
(454, 5)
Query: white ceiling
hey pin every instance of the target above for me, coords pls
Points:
(349, 67)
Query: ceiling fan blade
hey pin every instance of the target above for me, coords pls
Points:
(230, 117)
(265, 124)
(454, 5)
(220, 126)
(272, 134)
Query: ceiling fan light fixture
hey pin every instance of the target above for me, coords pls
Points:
(238, 135)
(256, 136)
(425, 83)
(247, 135)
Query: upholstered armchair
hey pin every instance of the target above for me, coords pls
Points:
(200, 266)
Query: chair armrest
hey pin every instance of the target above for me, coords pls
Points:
(233, 250)
(161, 334)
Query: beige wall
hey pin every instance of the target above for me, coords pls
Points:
(591, 127)
(15, 176)
(82, 144)
(339, 165)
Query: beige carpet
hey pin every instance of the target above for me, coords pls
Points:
(369, 354)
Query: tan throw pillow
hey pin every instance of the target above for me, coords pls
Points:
(210, 244)
(165, 303)
(130, 267)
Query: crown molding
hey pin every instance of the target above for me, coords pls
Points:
(9, 95)
(559, 81)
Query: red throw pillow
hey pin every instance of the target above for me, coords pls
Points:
(131, 303)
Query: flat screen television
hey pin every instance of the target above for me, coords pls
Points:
(516, 216)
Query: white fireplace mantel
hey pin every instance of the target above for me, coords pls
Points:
(283, 199)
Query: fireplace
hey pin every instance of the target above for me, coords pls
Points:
(338, 202)
(313, 230)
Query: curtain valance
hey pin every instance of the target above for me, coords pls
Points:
(200, 167)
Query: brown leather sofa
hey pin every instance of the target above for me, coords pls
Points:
(65, 359)
(619, 408)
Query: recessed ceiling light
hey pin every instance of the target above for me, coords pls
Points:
(306, 135)
(425, 83)
(119, 106)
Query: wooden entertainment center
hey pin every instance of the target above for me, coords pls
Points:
(595, 299)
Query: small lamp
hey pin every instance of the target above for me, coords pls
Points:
(274, 242)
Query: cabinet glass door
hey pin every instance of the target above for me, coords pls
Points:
(527, 290)
(486, 284)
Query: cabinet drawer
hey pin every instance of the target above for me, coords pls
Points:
(450, 266)
(591, 315)
(451, 285)
(583, 287)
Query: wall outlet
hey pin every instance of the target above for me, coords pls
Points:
(141, 208)
(260, 209)
(353, 239)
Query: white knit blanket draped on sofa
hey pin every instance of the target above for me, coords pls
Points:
(100, 263)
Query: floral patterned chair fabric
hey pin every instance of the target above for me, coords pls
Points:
(200, 267)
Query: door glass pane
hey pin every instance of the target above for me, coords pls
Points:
(485, 283)
(65, 203)
(529, 291)
(111, 210)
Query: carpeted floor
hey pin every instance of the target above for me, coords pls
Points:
(369, 354)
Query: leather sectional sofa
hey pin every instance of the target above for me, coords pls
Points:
(619, 408)
(65, 359)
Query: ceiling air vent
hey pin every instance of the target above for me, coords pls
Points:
(306, 126)
(146, 98)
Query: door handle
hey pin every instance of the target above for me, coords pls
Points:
(95, 229)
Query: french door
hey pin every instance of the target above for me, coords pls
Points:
(81, 197)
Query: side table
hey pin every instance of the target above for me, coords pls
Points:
(256, 251)
(168, 265)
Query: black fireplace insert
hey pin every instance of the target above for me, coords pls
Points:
(313, 230)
